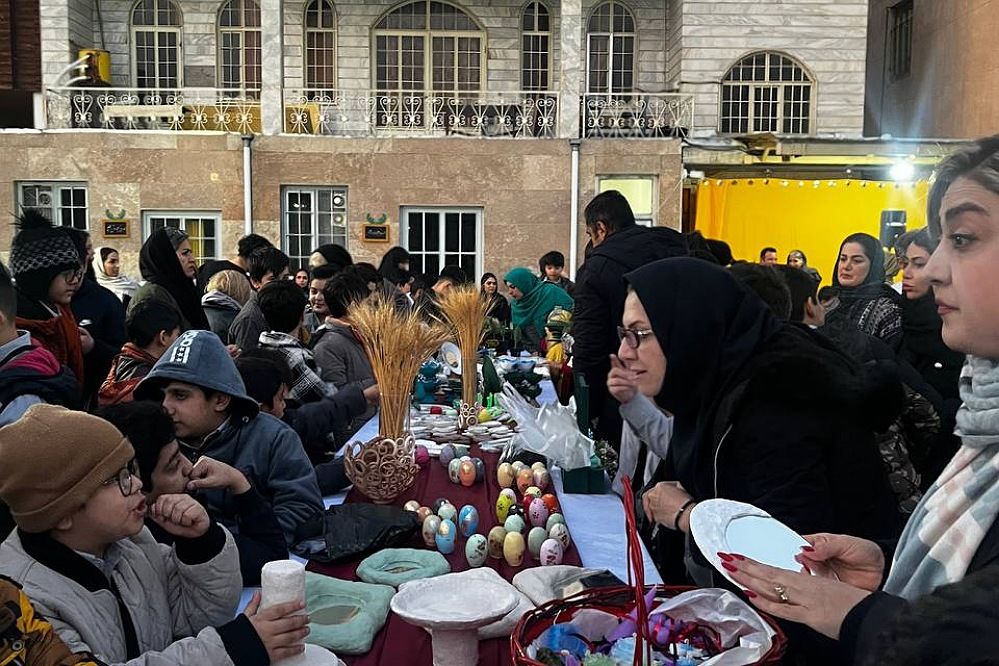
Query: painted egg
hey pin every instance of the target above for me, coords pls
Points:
(504, 475)
(454, 470)
(480, 469)
(421, 456)
(551, 553)
(533, 491)
(411, 505)
(503, 504)
(517, 467)
(429, 531)
(525, 503)
(436, 506)
(513, 549)
(535, 538)
(560, 533)
(465, 458)
(538, 513)
(448, 454)
(551, 502)
(466, 473)
(476, 549)
(514, 524)
(447, 512)
(423, 512)
(538, 465)
(509, 492)
(436, 409)
(484, 416)
(497, 536)
(461, 450)
(552, 519)
(468, 520)
(541, 478)
(524, 480)
(446, 535)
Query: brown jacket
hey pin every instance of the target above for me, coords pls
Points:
(27, 638)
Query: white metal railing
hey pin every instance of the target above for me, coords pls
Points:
(138, 108)
(419, 113)
(660, 115)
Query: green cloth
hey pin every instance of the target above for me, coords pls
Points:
(538, 300)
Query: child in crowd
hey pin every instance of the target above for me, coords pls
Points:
(283, 306)
(201, 390)
(552, 264)
(315, 318)
(152, 327)
(165, 471)
(226, 294)
(264, 266)
(88, 564)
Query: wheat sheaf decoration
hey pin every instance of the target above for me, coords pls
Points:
(464, 309)
(397, 344)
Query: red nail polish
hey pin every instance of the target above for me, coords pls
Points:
(725, 557)
(728, 567)
(738, 556)
(808, 549)
(750, 594)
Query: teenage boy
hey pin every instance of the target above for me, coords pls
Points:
(152, 326)
(246, 246)
(89, 565)
(315, 318)
(198, 384)
(165, 471)
(264, 266)
(552, 264)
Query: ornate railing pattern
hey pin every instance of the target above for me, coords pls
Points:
(658, 115)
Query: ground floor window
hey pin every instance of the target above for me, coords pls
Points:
(202, 228)
(640, 191)
(62, 202)
(312, 216)
(439, 237)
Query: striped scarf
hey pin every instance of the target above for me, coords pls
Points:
(951, 521)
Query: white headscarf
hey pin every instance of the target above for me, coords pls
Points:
(122, 285)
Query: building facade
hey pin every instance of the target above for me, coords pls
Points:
(470, 132)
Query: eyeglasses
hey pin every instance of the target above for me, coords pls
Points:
(633, 336)
(124, 478)
(72, 275)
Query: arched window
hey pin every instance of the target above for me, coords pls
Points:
(610, 49)
(766, 92)
(157, 60)
(535, 47)
(320, 45)
(239, 48)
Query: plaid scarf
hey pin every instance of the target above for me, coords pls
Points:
(306, 386)
(950, 522)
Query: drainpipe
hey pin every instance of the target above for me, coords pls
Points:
(574, 207)
(247, 185)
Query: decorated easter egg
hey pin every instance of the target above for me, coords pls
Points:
(480, 469)
(517, 467)
(509, 492)
(514, 524)
(541, 478)
(466, 473)
(525, 503)
(524, 480)
(436, 506)
(503, 504)
(551, 553)
(421, 455)
(497, 536)
(535, 538)
(429, 531)
(513, 549)
(423, 512)
(448, 512)
(536, 466)
(411, 505)
(454, 470)
(552, 519)
(476, 549)
(560, 533)
(538, 513)
(448, 454)
(446, 535)
(505, 475)
(468, 520)
(533, 491)
(551, 502)
(465, 457)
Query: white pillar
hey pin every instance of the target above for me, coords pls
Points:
(570, 69)
(272, 63)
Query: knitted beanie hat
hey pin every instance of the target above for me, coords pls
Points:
(39, 252)
(54, 460)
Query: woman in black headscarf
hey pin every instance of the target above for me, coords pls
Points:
(167, 264)
(395, 260)
(499, 307)
(866, 302)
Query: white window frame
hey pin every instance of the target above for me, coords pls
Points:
(55, 207)
(642, 219)
(545, 35)
(314, 191)
(612, 37)
(405, 211)
(781, 90)
(183, 216)
(242, 30)
(156, 29)
(323, 7)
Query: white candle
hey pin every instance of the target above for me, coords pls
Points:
(281, 582)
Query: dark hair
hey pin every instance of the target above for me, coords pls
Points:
(919, 237)
(266, 260)
(389, 266)
(767, 250)
(147, 426)
(250, 243)
(802, 287)
(486, 276)
(767, 284)
(343, 290)
(419, 284)
(612, 209)
(697, 247)
(8, 296)
(263, 371)
(455, 274)
(368, 273)
(720, 250)
(282, 303)
(335, 255)
(107, 252)
(149, 318)
(553, 258)
(324, 272)
(978, 162)
(402, 278)
(303, 269)
(828, 293)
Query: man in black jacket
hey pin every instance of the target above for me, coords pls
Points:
(619, 246)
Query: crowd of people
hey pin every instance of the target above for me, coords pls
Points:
(163, 438)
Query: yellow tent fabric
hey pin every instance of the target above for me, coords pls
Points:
(813, 216)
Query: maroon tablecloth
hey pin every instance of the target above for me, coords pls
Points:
(400, 643)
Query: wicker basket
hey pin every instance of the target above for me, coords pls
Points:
(382, 468)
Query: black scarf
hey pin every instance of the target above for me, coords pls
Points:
(159, 264)
(873, 285)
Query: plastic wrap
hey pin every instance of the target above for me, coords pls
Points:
(550, 431)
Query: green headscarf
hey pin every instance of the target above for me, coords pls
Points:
(539, 299)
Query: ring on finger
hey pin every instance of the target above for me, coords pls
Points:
(781, 593)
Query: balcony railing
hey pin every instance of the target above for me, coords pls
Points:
(417, 113)
(655, 115)
(136, 108)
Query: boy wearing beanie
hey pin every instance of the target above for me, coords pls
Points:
(88, 564)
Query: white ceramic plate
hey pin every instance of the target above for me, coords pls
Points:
(726, 526)
(451, 357)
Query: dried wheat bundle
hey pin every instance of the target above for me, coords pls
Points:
(396, 344)
(465, 309)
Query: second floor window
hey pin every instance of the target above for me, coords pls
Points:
(157, 60)
(535, 47)
(900, 39)
(766, 92)
(320, 46)
(610, 49)
(239, 48)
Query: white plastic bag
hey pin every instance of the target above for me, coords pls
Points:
(550, 431)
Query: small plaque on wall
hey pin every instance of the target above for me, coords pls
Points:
(116, 228)
(376, 233)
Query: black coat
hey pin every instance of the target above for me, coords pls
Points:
(106, 313)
